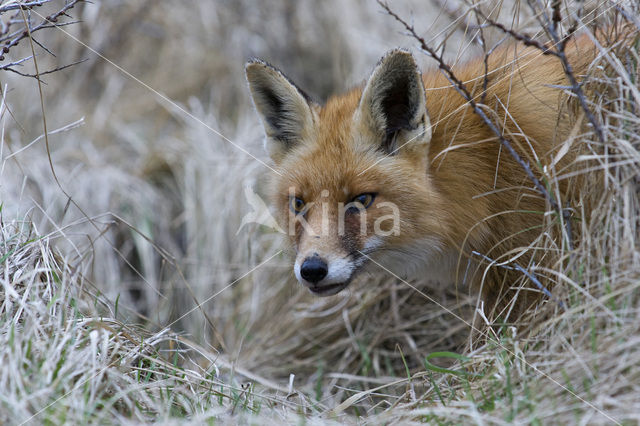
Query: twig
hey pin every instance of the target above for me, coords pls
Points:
(462, 89)
(11, 40)
(14, 63)
(560, 44)
(552, 26)
(527, 41)
(534, 279)
(22, 5)
(45, 48)
(9, 68)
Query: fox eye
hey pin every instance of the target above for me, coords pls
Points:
(365, 200)
(296, 205)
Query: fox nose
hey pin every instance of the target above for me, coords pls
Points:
(314, 269)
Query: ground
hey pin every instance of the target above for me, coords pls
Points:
(130, 293)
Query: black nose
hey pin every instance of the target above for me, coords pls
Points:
(314, 269)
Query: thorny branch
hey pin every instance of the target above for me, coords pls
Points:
(557, 49)
(7, 6)
(560, 43)
(60, 68)
(462, 89)
(11, 37)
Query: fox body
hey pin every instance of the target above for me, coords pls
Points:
(402, 173)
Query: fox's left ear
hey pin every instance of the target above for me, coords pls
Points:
(393, 103)
(285, 110)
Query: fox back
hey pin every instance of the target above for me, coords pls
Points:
(400, 173)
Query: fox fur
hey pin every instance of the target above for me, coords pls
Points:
(413, 142)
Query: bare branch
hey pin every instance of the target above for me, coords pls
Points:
(464, 92)
(23, 5)
(527, 41)
(9, 68)
(9, 38)
(560, 44)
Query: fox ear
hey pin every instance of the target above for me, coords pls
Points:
(393, 103)
(284, 109)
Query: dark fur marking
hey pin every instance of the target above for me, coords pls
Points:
(399, 110)
(350, 241)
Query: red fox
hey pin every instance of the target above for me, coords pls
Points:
(401, 172)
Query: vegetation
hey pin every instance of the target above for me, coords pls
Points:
(129, 292)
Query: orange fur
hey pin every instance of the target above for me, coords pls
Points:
(457, 192)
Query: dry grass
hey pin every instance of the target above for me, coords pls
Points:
(149, 305)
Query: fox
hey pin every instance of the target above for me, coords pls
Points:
(400, 172)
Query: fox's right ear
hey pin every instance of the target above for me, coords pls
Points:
(393, 105)
(285, 110)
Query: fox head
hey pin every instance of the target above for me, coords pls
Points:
(353, 183)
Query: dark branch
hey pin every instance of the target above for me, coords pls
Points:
(9, 39)
(22, 5)
(559, 43)
(464, 92)
(60, 68)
